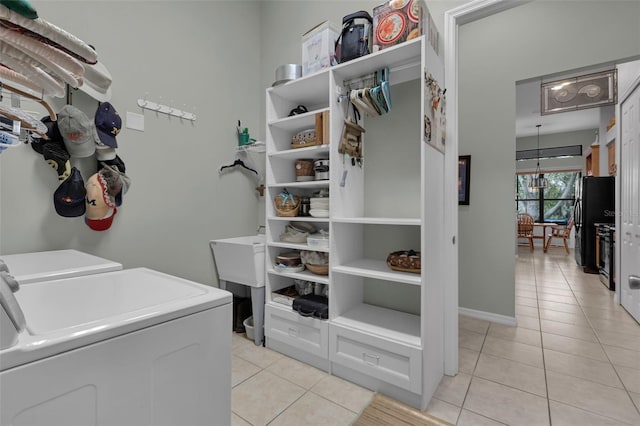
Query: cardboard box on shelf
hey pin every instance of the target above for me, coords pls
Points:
(318, 47)
(397, 21)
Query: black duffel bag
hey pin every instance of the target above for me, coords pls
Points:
(312, 305)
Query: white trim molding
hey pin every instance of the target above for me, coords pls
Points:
(488, 316)
(453, 19)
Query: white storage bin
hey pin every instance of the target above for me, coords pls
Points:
(318, 47)
(248, 327)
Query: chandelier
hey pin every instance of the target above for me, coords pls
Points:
(536, 181)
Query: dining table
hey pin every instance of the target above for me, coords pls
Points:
(544, 226)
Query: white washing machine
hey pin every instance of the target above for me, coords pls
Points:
(131, 347)
(55, 264)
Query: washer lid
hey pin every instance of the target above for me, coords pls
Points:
(56, 264)
(66, 314)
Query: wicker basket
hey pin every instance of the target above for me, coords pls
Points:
(287, 205)
(405, 261)
(305, 138)
(317, 269)
(305, 169)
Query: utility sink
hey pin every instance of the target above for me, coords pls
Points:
(240, 259)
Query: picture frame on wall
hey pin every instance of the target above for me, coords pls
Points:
(586, 91)
(464, 178)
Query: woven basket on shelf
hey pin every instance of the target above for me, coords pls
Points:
(287, 205)
(305, 138)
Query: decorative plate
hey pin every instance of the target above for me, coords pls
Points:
(391, 27)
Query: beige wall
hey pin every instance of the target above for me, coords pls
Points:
(535, 39)
(203, 56)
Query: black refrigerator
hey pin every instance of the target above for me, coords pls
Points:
(595, 203)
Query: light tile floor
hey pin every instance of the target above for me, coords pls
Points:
(573, 359)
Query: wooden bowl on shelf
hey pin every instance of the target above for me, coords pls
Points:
(317, 269)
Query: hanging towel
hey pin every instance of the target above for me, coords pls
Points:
(48, 33)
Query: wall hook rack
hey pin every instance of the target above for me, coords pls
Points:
(166, 109)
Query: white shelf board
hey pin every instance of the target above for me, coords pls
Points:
(285, 308)
(387, 323)
(308, 184)
(380, 220)
(318, 151)
(304, 275)
(299, 246)
(300, 218)
(378, 269)
(257, 146)
(405, 58)
(298, 121)
(300, 90)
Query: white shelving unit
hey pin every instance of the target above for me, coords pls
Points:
(374, 336)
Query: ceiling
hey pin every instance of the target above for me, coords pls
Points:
(528, 114)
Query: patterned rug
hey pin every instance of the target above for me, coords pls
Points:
(384, 411)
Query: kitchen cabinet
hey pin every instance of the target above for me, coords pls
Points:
(385, 329)
(592, 161)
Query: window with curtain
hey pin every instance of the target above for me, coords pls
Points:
(551, 204)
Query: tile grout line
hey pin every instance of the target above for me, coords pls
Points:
(544, 365)
(466, 393)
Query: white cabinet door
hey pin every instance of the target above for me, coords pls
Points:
(629, 279)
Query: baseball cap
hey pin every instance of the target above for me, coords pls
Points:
(103, 223)
(100, 207)
(117, 182)
(108, 124)
(53, 135)
(69, 198)
(78, 132)
(58, 158)
(109, 157)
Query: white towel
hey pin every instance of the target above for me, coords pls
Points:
(24, 64)
(22, 80)
(55, 61)
(57, 36)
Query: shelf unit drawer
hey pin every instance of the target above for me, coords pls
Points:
(307, 334)
(386, 360)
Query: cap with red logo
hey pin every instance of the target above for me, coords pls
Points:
(78, 132)
(69, 198)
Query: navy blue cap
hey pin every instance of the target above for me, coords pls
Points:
(108, 124)
(69, 198)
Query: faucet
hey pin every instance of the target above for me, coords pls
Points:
(261, 227)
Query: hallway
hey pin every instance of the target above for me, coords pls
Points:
(573, 359)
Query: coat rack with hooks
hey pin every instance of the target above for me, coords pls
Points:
(166, 109)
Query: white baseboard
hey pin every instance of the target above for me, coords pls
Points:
(488, 316)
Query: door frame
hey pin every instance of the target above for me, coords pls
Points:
(453, 19)
(617, 251)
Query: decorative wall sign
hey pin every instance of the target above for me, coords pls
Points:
(434, 113)
(585, 91)
(464, 177)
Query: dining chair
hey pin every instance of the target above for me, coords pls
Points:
(525, 228)
(562, 232)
